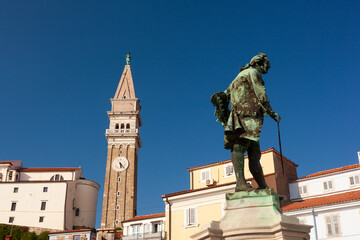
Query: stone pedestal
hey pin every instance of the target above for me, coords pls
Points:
(254, 214)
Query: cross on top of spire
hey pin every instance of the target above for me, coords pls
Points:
(128, 58)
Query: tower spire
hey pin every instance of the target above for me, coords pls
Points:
(125, 89)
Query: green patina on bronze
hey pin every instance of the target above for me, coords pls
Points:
(128, 58)
(243, 123)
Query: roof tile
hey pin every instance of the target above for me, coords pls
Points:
(334, 170)
(320, 201)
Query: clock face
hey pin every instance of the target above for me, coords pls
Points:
(120, 164)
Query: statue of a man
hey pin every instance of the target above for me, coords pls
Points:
(244, 121)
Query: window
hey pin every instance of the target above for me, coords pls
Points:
(118, 193)
(11, 219)
(41, 219)
(117, 126)
(43, 206)
(119, 179)
(116, 222)
(13, 206)
(190, 217)
(76, 237)
(128, 126)
(10, 175)
(156, 227)
(117, 207)
(229, 170)
(122, 126)
(328, 185)
(1, 176)
(57, 177)
(17, 177)
(16, 189)
(354, 180)
(77, 212)
(302, 190)
(333, 225)
(205, 175)
(45, 189)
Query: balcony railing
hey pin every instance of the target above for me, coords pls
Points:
(146, 236)
(121, 131)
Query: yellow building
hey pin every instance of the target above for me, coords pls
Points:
(187, 211)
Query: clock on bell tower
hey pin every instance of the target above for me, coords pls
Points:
(120, 188)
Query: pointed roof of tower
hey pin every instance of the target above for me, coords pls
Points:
(125, 89)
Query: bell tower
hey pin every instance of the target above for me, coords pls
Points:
(120, 188)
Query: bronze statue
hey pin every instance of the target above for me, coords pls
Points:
(244, 121)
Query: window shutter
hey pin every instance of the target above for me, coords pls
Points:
(202, 175)
(192, 216)
(328, 225)
(336, 224)
(357, 179)
(304, 189)
(352, 181)
(330, 184)
(325, 186)
(300, 190)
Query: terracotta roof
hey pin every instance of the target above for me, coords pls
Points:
(209, 187)
(340, 169)
(48, 169)
(6, 162)
(69, 231)
(320, 201)
(229, 160)
(145, 217)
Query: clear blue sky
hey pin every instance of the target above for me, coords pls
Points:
(61, 61)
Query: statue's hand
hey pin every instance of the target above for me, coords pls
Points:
(277, 117)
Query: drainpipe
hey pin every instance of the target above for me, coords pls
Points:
(167, 201)
(315, 227)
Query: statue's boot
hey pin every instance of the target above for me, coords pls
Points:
(255, 166)
(237, 158)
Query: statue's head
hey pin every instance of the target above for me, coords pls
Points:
(260, 62)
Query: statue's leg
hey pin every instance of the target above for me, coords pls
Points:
(237, 158)
(254, 154)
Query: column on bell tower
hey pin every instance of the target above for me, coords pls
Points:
(120, 188)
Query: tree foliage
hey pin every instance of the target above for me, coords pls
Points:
(21, 233)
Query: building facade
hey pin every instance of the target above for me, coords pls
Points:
(187, 211)
(120, 188)
(330, 201)
(145, 227)
(80, 234)
(46, 198)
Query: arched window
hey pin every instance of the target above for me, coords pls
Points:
(1, 176)
(128, 126)
(122, 126)
(57, 177)
(77, 212)
(17, 177)
(10, 175)
(117, 126)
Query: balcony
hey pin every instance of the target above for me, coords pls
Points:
(120, 131)
(146, 236)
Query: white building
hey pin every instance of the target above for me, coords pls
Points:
(79, 234)
(46, 198)
(145, 227)
(330, 201)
